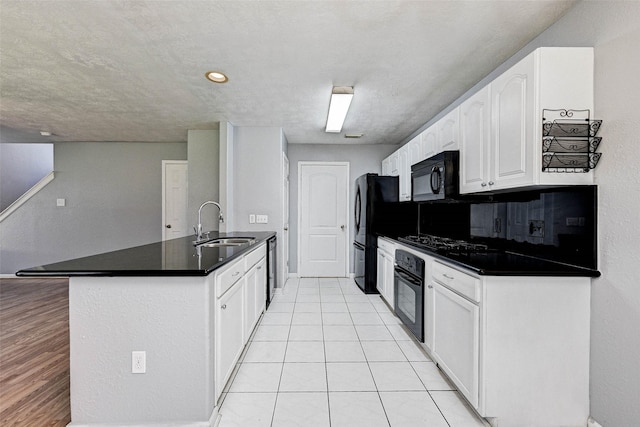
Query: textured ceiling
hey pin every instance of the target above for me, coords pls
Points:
(130, 70)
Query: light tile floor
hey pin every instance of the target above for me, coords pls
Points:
(325, 354)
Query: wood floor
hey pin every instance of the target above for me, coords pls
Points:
(34, 352)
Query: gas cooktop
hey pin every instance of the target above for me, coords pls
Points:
(445, 244)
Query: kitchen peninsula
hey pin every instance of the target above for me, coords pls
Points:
(189, 309)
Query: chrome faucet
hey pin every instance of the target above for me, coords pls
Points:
(198, 229)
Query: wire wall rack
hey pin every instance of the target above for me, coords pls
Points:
(569, 141)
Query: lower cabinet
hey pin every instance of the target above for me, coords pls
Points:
(229, 334)
(455, 316)
(386, 259)
(240, 299)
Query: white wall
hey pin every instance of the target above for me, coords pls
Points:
(113, 195)
(258, 180)
(21, 167)
(204, 171)
(613, 29)
(362, 159)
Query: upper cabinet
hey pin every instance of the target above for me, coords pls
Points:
(449, 131)
(499, 129)
(501, 125)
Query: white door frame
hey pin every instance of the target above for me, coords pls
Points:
(164, 182)
(286, 198)
(347, 222)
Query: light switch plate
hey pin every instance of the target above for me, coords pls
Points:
(252, 219)
(262, 219)
(61, 202)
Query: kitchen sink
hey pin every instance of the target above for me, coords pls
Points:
(228, 241)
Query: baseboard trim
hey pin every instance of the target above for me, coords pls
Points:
(593, 423)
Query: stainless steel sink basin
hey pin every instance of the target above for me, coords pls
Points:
(228, 241)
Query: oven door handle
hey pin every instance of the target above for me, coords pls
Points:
(407, 278)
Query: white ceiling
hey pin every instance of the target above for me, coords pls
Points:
(130, 70)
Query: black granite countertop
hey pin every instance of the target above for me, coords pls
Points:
(505, 263)
(175, 257)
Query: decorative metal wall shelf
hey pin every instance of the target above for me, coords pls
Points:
(569, 141)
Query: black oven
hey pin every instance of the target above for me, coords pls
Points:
(408, 291)
(436, 178)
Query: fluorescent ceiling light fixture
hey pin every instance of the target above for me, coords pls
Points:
(216, 76)
(341, 97)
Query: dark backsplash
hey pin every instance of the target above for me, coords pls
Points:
(559, 224)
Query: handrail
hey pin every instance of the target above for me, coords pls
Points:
(26, 196)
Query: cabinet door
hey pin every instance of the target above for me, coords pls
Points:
(415, 150)
(389, 284)
(229, 337)
(405, 174)
(448, 131)
(430, 142)
(474, 142)
(251, 295)
(395, 163)
(380, 276)
(386, 167)
(456, 339)
(512, 145)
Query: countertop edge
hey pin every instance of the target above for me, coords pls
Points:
(265, 236)
(571, 270)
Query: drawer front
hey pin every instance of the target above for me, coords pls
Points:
(225, 279)
(386, 246)
(253, 257)
(457, 281)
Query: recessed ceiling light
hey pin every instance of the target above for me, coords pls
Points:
(216, 76)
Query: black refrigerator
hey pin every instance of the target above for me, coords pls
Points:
(377, 211)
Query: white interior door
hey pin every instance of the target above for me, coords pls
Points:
(285, 216)
(323, 197)
(174, 199)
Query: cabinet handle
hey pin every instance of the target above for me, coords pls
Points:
(224, 306)
(447, 276)
(491, 182)
(430, 287)
(484, 184)
(235, 274)
(260, 268)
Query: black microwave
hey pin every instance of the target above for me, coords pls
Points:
(436, 178)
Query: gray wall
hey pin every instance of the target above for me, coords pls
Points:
(113, 195)
(21, 167)
(362, 159)
(203, 152)
(258, 180)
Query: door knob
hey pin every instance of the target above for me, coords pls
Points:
(286, 228)
(342, 227)
(168, 225)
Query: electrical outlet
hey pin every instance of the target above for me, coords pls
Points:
(252, 219)
(536, 228)
(138, 362)
(262, 219)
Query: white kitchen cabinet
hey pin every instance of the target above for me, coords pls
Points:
(386, 167)
(449, 131)
(385, 279)
(430, 142)
(415, 150)
(240, 298)
(394, 161)
(511, 153)
(230, 334)
(404, 174)
(454, 315)
(474, 142)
